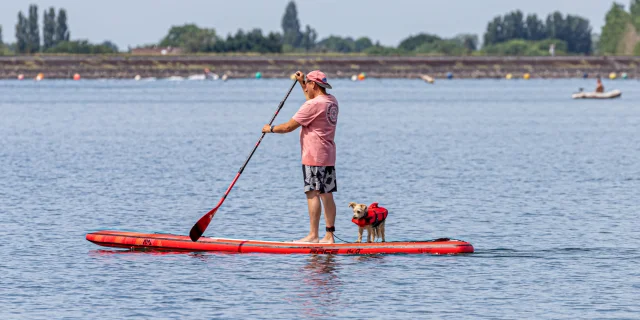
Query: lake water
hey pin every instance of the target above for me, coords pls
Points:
(546, 188)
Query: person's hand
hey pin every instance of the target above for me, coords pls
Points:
(300, 76)
(266, 129)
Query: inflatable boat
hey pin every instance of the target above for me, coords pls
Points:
(597, 95)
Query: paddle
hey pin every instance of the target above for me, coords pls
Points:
(198, 229)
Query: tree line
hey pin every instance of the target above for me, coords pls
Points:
(54, 30)
(573, 33)
(55, 35)
(513, 33)
(293, 38)
(192, 38)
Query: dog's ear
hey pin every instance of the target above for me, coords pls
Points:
(352, 204)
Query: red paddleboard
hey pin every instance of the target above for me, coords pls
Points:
(171, 242)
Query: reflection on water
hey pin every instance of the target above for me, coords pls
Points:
(321, 285)
(375, 258)
(321, 270)
(324, 277)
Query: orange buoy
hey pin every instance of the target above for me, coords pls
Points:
(40, 76)
(361, 76)
(76, 77)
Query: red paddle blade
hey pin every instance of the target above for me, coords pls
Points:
(198, 229)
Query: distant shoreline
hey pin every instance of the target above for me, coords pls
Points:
(282, 66)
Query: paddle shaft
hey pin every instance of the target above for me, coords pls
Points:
(198, 229)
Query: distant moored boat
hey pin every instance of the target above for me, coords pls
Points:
(597, 95)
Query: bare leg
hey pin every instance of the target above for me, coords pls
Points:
(313, 201)
(329, 215)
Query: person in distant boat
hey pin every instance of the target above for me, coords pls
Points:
(599, 86)
(318, 118)
(207, 74)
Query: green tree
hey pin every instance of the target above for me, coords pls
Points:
(362, 44)
(556, 26)
(49, 28)
(3, 49)
(494, 33)
(34, 30)
(80, 47)
(291, 26)
(635, 13)
(274, 40)
(110, 45)
(255, 41)
(62, 30)
(252, 41)
(22, 34)
(337, 44)
(413, 42)
(309, 37)
(614, 28)
(578, 35)
(191, 38)
(467, 41)
(535, 28)
(201, 41)
(237, 42)
(513, 25)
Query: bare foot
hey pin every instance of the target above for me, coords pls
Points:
(328, 238)
(309, 238)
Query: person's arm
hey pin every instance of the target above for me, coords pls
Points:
(301, 81)
(287, 127)
(305, 115)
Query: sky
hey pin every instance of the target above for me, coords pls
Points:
(137, 22)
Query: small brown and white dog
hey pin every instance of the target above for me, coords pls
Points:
(372, 220)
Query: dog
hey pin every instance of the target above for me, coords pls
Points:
(371, 218)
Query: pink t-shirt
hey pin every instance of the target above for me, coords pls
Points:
(318, 118)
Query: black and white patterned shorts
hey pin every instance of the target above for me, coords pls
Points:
(322, 179)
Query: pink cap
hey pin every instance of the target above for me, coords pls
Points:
(319, 77)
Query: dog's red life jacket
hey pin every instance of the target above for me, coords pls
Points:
(375, 216)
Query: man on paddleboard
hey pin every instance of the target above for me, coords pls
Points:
(318, 118)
